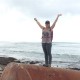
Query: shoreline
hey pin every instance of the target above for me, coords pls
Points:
(5, 60)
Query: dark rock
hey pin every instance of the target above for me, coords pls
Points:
(75, 68)
(30, 62)
(6, 60)
(34, 62)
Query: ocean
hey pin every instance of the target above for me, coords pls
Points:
(64, 54)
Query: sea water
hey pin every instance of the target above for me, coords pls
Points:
(64, 54)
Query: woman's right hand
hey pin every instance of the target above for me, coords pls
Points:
(38, 23)
(35, 19)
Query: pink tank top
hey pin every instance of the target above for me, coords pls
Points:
(47, 36)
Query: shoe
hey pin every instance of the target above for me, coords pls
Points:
(45, 65)
(49, 65)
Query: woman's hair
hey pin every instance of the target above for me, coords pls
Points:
(47, 22)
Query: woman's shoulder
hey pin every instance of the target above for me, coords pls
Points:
(44, 28)
(50, 29)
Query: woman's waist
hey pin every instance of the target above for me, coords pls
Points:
(46, 40)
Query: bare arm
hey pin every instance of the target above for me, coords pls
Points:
(53, 25)
(39, 23)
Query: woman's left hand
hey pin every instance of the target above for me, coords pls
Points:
(59, 15)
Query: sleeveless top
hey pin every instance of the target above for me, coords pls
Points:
(47, 36)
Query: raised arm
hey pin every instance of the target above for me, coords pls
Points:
(53, 25)
(39, 23)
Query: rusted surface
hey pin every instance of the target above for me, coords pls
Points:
(42, 73)
(15, 72)
(18, 71)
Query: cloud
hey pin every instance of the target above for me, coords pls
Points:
(17, 24)
(45, 9)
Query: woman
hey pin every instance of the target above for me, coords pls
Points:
(47, 40)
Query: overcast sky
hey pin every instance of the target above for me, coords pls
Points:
(17, 20)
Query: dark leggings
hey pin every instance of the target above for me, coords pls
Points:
(47, 51)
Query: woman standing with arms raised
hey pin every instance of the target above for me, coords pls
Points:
(47, 34)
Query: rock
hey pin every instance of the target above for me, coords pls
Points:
(19, 71)
(30, 62)
(75, 68)
(2, 67)
(15, 72)
(6, 60)
(34, 62)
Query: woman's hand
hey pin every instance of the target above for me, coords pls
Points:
(59, 15)
(53, 25)
(35, 19)
(38, 23)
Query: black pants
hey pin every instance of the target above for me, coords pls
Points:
(47, 51)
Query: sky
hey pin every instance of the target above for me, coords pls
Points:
(17, 20)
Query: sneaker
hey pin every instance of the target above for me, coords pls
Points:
(45, 65)
(49, 65)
